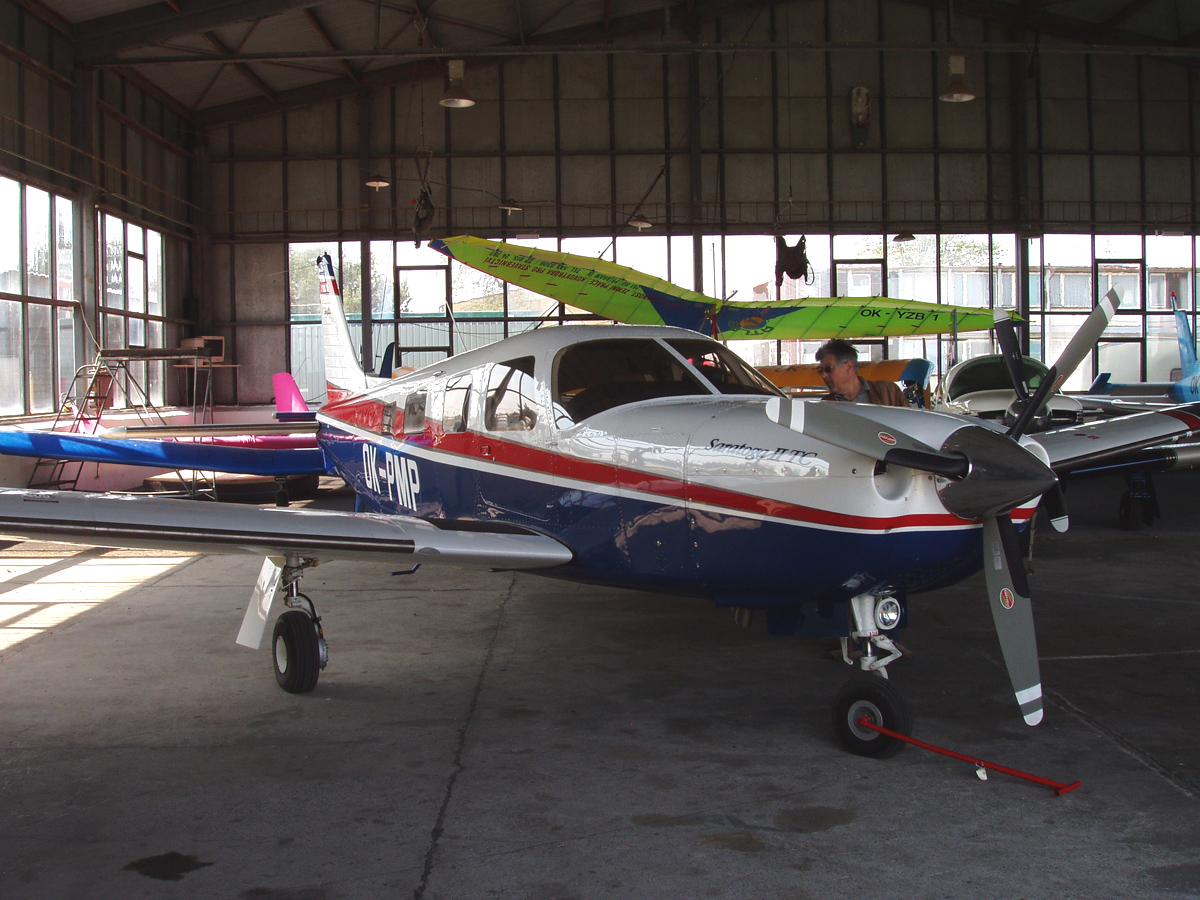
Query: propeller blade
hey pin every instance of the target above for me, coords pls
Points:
(1010, 352)
(1085, 338)
(1008, 595)
(838, 424)
(1033, 405)
(1056, 508)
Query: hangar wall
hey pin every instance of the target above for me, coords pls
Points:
(747, 142)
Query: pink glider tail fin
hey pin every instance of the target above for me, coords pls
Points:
(288, 398)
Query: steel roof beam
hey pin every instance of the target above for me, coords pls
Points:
(147, 25)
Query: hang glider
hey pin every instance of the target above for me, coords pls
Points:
(634, 298)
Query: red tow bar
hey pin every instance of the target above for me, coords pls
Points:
(1058, 788)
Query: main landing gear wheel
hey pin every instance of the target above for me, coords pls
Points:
(1129, 514)
(297, 652)
(882, 704)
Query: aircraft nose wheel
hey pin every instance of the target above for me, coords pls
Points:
(882, 704)
(297, 656)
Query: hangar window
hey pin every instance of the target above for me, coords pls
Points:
(37, 299)
(131, 304)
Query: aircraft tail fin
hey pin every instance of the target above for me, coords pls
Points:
(288, 398)
(343, 372)
(1187, 341)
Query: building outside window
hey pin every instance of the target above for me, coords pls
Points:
(131, 305)
(38, 308)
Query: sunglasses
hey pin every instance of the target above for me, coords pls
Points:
(825, 370)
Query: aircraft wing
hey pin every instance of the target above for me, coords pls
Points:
(109, 520)
(1072, 448)
(162, 454)
(629, 296)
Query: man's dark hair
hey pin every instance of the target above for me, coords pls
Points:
(842, 351)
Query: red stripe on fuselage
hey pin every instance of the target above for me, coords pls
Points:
(541, 462)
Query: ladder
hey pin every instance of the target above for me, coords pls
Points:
(94, 390)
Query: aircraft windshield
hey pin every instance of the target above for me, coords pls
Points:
(597, 375)
(988, 373)
(727, 372)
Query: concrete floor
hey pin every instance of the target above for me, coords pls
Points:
(492, 735)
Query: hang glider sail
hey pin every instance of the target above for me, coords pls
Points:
(627, 295)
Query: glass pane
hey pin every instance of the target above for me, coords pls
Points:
(421, 292)
(351, 279)
(682, 273)
(66, 350)
(1067, 250)
(308, 362)
(749, 268)
(1123, 361)
(647, 254)
(1126, 278)
(154, 273)
(41, 359)
(408, 255)
(1036, 284)
(114, 263)
(302, 280)
(137, 284)
(476, 294)
(1059, 331)
(12, 383)
(10, 237)
(37, 243)
(1004, 270)
(137, 243)
(859, 279)
(383, 301)
(114, 332)
(818, 284)
(858, 246)
(137, 332)
(64, 230)
(965, 276)
(1162, 350)
(1118, 246)
(156, 376)
(912, 269)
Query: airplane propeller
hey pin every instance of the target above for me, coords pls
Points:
(989, 474)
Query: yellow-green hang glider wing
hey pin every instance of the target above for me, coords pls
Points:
(627, 295)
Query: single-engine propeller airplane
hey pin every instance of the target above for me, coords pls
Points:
(652, 458)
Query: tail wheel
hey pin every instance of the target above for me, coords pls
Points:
(297, 652)
(882, 704)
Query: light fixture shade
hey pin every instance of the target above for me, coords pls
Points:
(377, 182)
(640, 222)
(956, 90)
(456, 96)
(511, 206)
(904, 237)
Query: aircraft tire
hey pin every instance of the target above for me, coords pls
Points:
(295, 654)
(879, 700)
(1129, 513)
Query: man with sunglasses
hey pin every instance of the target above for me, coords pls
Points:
(837, 362)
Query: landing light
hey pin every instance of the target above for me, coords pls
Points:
(887, 613)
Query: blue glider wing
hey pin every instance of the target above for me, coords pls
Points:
(162, 454)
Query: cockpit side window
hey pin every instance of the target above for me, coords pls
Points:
(512, 397)
(593, 376)
(988, 373)
(454, 406)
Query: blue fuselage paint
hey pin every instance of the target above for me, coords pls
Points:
(639, 542)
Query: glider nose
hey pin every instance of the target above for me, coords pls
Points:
(1003, 474)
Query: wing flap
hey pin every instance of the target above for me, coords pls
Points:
(109, 520)
(1070, 448)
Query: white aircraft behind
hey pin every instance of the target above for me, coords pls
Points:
(651, 458)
